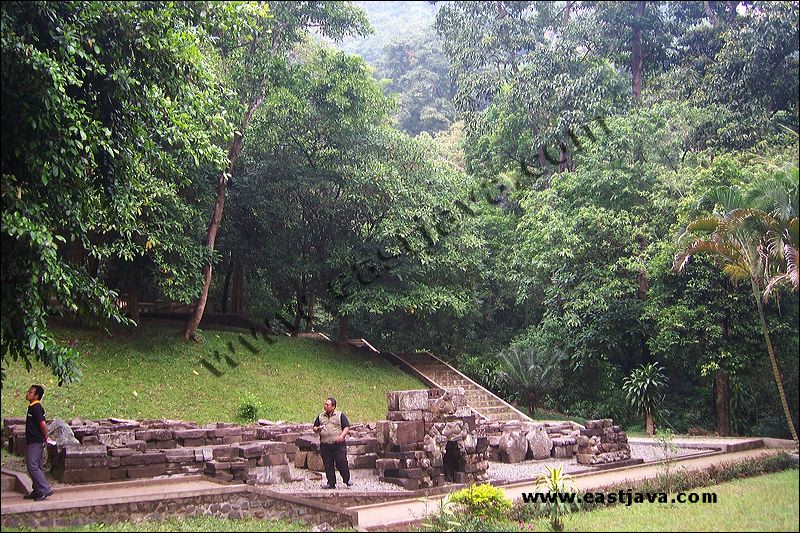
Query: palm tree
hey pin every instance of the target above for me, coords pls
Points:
(643, 389)
(743, 239)
(531, 372)
(776, 197)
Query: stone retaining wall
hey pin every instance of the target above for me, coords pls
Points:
(248, 502)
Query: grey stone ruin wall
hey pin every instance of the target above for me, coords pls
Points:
(116, 449)
(414, 438)
(598, 442)
(601, 442)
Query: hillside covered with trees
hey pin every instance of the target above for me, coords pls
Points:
(593, 189)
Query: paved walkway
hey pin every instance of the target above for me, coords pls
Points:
(384, 515)
(112, 493)
(394, 514)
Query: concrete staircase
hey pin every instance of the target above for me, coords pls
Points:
(437, 373)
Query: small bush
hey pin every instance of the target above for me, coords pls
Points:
(249, 408)
(483, 501)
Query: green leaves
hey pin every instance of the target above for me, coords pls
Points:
(644, 388)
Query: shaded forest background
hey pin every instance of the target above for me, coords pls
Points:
(476, 179)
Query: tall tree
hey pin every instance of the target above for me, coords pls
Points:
(110, 107)
(248, 57)
(735, 236)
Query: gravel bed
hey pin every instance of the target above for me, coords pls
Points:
(531, 469)
(364, 480)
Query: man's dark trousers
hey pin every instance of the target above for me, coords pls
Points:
(34, 459)
(335, 453)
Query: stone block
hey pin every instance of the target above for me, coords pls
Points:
(412, 400)
(183, 434)
(76, 463)
(154, 435)
(406, 432)
(398, 416)
(393, 400)
(181, 455)
(277, 459)
(120, 452)
(513, 446)
(227, 432)
(406, 483)
(85, 475)
(225, 453)
(300, 459)
(314, 462)
(308, 443)
(152, 470)
(249, 450)
(85, 451)
(387, 464)
(366, 460)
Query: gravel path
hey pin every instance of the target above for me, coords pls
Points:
(364, 480)
(531, 469)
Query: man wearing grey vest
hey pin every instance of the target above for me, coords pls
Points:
(333, 427)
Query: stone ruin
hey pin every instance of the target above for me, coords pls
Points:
(428, 439)
(116, 449)
(597, 442)
(601, 442)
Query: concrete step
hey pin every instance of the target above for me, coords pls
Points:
(7, 483)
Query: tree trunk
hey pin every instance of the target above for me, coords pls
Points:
(298, 312)
(722, 396)
(636, 52)
(533, 401)
(216, 217)
(650, 426)
(224, 305)
(133, 294)
(344, 333)
(237, 297)
(211, 236)
(310, 313)
(774, 360)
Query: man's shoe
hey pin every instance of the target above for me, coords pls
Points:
(349, 483)
(31, 495)
(40, 497)
(326, 486)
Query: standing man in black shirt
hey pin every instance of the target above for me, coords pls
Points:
(36, 435)
(333, 427)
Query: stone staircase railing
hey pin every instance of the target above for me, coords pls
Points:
(436, 373)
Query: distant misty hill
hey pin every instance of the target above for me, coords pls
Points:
(390, 21)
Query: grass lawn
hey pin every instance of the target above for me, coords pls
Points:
(763, 503)
(150, 373)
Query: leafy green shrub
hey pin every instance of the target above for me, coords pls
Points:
(249, 408)
(556, 482)
(483, 501)
(452, 516)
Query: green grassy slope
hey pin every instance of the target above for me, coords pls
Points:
(151, 373)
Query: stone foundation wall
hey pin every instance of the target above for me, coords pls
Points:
(602, 442)
(247, 503)
(114, 449)
(414, 440)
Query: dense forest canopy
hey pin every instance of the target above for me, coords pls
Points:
(604, 184)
